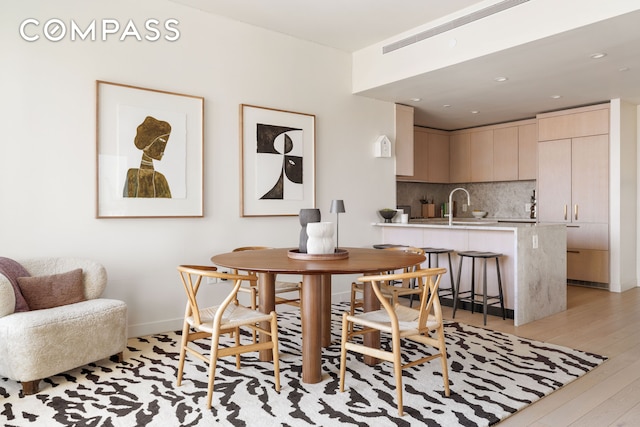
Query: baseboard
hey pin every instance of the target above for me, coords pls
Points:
(491, 310)
(142, 329)
(587, 284)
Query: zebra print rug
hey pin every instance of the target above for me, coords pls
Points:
(492, 375)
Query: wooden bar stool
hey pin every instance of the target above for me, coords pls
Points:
(471, 294)
(436, 252)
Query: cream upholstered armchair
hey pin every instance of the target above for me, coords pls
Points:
(37, 342)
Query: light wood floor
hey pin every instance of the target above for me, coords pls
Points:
(597, 321)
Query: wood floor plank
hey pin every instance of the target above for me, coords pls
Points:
(609, 411)
(629, 419)
(596, 321)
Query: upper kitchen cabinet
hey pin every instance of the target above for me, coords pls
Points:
(504, 152)
(586, 121)
(528, 151)
(404, 140)
(430, 156)
(481, 156)
(460, 158)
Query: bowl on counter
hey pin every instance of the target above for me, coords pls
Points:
(387, 214)
(479, 214)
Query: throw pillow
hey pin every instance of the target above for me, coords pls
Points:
(12, 270)
(52, 291)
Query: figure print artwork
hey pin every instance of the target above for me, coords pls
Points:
(150, 153)
(278, 161)
(151, 138)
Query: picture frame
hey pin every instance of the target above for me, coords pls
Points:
(277, 151)
(149, 152)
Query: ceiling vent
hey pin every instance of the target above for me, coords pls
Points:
(458, 22)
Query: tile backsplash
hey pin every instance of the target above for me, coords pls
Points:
(499, 199)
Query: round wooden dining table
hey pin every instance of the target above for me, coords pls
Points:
(316, 291)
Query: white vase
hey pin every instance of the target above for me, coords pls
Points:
(320, 238)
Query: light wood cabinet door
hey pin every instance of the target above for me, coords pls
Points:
(554, 181)
(527, 151)
(420, 156)
(588, 265)
(588, 235)
(459, 156)
(404, 140)
(579, 122)
(590, 179)
(438, 158)
(505, 154)
(481, 161)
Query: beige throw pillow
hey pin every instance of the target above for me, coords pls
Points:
(52, 291)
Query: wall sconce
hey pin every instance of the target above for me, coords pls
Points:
(337, 207)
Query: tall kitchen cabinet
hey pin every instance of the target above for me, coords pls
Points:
(573, 186)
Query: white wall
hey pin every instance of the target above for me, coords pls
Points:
(47, 156)
(623, 190)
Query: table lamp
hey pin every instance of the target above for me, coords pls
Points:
(337, 207)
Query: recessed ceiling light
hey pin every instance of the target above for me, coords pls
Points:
(474, 111)
(416, 99)
(598, 55)
(446, 105)
(556, 96)
(501, 79)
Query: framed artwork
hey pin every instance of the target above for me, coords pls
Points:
(149, 152)
(277, 161)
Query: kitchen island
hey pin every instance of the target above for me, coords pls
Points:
(533, 268)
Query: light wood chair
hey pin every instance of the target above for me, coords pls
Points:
(401, 322)
(390, 289)
(221, 319)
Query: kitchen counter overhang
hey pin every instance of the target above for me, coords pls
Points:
(533, 268)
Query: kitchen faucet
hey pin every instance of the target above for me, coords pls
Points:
(451, 202)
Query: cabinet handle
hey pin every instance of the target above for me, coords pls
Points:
(565, 212)
(575, 212)
(572, 252)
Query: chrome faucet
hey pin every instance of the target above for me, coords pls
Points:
(451, 202)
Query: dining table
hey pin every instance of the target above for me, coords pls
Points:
(316, 272)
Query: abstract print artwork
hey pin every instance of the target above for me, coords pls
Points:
(278, 156)
(150, 152)
(279, 159)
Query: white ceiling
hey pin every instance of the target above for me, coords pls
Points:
(559, 65)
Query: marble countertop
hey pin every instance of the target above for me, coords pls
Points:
(465, 223)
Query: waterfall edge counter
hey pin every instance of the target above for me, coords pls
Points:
(534, 265)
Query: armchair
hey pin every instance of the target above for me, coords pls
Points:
(40, 343)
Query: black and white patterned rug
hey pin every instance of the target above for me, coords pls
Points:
(492, 375)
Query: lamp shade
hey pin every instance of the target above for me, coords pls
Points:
(337, 206)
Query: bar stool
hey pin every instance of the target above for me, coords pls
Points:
(436, 252)
(499, 299)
